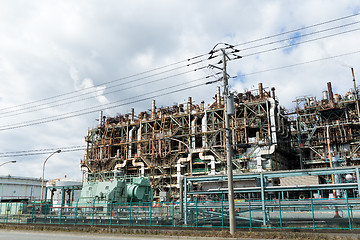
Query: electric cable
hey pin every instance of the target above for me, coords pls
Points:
(102, 107)
(3, 115)
(187, 60)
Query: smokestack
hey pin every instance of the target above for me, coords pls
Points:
(356, 94)
(132, 115)
(218, 97)
(273, 92)
(261, 93)
(101, 118)
(153, 110)
(189, 104)
(331, 95)
(202, 105)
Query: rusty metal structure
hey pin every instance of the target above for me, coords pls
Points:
(169, 143)
(326, 132)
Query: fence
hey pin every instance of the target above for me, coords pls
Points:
(251, 213)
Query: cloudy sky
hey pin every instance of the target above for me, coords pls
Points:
(61, 62)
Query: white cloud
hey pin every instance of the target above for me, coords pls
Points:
(52, 48)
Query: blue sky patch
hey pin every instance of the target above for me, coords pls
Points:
(240, 77)
(292, 43)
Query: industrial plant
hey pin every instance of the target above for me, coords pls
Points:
(168, 166)
(181, 141)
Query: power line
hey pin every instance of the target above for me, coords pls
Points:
(183, 61)
(261, 45)
(78, 113)
(120, 79)
(298, 43)
(35, 122)
(296, 64)
(296, 30)
(83, 99)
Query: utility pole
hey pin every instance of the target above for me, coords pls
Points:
(232, 222)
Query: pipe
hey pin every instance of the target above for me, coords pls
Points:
(272, 120)
(261, 93)
(130, 140)
(204, 130)
(189, 104)
(178, 170)
(273, 93)
(212, 161)
(193, 132)
(218, 97)
(101, 118)
(139, 164)
(331, 95)
(202, 108)
(139, 139)
(132, 115)
(120, 165)
(356, 94)
(153, 110)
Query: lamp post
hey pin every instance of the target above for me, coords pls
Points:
(43, 171)
(7, 162)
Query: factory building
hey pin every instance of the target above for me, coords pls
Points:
(19, 189)
(184, 140)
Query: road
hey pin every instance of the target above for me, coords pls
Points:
(37, 235)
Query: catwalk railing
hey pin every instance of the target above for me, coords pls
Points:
(312, 213)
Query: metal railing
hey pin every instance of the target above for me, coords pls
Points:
(312, 213)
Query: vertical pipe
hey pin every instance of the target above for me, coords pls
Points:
(348, 209)
(196, 210)
(93, 212)
(299, 142)
(261, 93)
(273, 93)
(185, 196)
(218, 97)
(181, 198)
(189, 104)
(312, 210)
(111, 211)
(356, 94)
(130, 211)
(263, 199)
(173, 213)
(100, 118)
(331, 95)
(76, 210)
(279, 198)
(202, 106)
(21, 205)
(151, 202)
(222, 210)
(32, 212)
(132, 116)
(249, 194)
(358, 180)
(8, 209)
(153, 110)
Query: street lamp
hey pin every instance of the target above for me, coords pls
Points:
(43, 170)
(8, 162)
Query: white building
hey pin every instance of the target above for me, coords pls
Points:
(17, 189)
